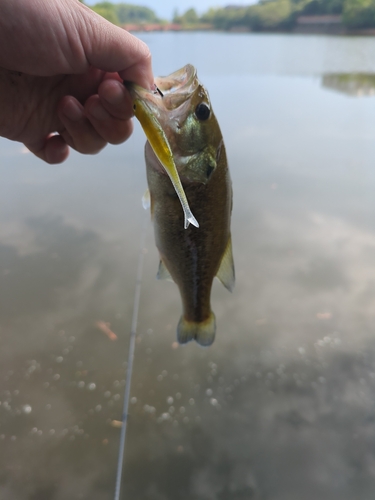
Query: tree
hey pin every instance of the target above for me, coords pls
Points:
(226, 18)
(271, 14)
(359, 13)
(190, 17)
(321, 7)
(135, 14)
(176, 17)
(123, 13)
(106, 10)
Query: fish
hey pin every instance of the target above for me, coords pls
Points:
(190, 193)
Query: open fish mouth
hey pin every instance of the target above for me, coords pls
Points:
(177, 87)
(181, 78)
(149, 106)
(170, 91)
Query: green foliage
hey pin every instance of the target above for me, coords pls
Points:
(270, 15)
(176, 17)
(106, 10)
(135, 14)
(323, 7)
(265, 15)
(225, 19)
(190, 18)
(122, 13)
(359, 13)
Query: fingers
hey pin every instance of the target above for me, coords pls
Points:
(52, 150)
(116, 99)
(104, 118)
(111, 129)
(79, 133)
(110, 111)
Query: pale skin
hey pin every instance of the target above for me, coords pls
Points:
(61, 73)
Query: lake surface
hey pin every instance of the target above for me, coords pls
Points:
(282, 406)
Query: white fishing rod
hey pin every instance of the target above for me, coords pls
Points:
(129, 371)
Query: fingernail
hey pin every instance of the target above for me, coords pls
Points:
(73, 111)
(99, 113)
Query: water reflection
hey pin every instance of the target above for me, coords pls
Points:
(282, 405)
(357, 85)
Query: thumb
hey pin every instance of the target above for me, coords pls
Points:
(112, 49)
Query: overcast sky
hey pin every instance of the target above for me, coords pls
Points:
(165, 8)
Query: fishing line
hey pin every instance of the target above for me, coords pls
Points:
(129, 371)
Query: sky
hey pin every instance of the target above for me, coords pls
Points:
(165, 8)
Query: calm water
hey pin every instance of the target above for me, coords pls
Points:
(282, 406)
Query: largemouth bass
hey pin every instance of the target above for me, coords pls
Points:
(187, 174)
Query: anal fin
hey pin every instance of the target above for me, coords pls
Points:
(163, 273)
(226, 269)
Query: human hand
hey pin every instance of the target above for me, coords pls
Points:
(61, 70)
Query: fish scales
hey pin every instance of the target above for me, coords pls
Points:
(192, 256)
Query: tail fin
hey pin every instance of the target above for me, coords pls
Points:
(203, 333)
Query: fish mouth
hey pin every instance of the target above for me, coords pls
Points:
(170, 91)
(178, 87)
(150, 106)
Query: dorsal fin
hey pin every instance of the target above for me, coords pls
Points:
(163, 273)
(226, 269)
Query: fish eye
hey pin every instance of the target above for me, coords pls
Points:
(202, 111)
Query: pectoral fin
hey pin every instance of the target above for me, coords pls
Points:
(226, 269)
(146, 199)
(163, 273)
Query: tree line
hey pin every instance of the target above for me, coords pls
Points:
(123, 13)
(263, 16)
(283, 14)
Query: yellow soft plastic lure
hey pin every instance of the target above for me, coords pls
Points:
(160, 145)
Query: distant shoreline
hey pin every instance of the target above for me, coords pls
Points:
(305, 25)
(344, 32)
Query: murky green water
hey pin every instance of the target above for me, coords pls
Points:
(282, 406)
